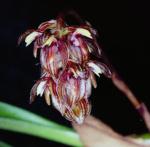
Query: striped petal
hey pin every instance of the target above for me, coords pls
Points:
(78, 112)
(93, 79)
(33, 92)
(47, 96)
(68, 88)
(75, 54)
(47, 25)
(57, 58)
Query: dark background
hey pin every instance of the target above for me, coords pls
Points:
(124, 34)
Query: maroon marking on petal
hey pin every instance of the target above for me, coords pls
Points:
(84, 49)
(34, 91)
(24, 35)
(35, 49)
(46, 25)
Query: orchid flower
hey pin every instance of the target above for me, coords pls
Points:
(67, 66)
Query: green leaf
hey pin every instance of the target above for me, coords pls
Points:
(50, 133)
(7, 110)
(144, 136)
(4, 144)
(19, 120)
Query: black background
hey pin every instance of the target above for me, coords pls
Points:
(124, 34)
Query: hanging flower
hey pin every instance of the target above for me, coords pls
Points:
(67, 67)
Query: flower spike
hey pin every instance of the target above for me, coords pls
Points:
(67, 65)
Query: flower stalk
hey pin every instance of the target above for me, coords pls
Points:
(124, 88)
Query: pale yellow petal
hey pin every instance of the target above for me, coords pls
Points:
(47, 96)
(31, 37)
(83, 32)
(49, 41)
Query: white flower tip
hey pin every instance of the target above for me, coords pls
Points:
(83, 32)
(31, 37)
(41, 88)
(52, 21)
(95, 68)
(79, 119)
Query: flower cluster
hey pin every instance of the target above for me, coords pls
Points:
(67, 66)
